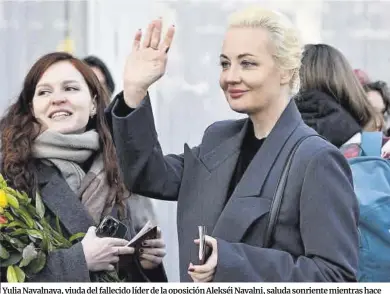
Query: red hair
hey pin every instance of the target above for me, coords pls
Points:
(19, 128)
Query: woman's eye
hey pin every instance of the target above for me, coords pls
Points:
(43, 92)
(246, 63)
(71, 89)
(224, 64)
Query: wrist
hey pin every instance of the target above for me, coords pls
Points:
(133, 94)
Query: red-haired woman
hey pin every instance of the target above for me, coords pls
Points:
(55, 140)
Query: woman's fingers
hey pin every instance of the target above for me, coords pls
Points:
(166, 43)
(151, 258)
(156, 34)
(123, 250)
(152, 37)
(148, 36)
(137, 40)
(201, 277)
(110, 268)
(118, 242)
(154, 243)
(153, 251)
(114, 259)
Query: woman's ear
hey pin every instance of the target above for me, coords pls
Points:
(93, 107)
(286, 76)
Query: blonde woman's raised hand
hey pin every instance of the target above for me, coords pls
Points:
(146, 62)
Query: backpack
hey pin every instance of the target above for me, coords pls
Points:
(371, 177)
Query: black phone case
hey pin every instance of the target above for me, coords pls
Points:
(111, 227)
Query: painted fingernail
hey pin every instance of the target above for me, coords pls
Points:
(191, 270)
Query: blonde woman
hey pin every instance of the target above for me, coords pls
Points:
(228, 182)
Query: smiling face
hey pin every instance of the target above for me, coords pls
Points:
(62, 100)
(250, 77)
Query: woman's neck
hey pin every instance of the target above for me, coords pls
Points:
(265, 120)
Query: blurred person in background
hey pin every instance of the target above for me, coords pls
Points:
(379, 97)
(333, 102)
(227, 183)
(141, 208)
(103, 74)
(331, 99)
(362, 76)
(55, 140)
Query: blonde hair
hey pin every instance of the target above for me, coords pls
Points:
(284, 37)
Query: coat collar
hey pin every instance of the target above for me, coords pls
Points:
(227, 148)
(286, 124)
(256, 174)
(62, 201)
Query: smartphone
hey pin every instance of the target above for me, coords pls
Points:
(203, 253)
(111, 227)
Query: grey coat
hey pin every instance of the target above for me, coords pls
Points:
(316, 236)
(69, 265)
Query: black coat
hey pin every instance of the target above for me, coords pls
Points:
(327, 117)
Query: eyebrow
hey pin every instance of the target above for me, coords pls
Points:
(64, 82)
(239, 56)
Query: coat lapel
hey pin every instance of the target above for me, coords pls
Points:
(244, 204)
(205, 183)
(62, 201)
(218, 155)
(220, 163)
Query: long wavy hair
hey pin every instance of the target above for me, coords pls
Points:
(19, 128)
(324, 68)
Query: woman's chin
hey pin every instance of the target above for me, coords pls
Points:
(67, 130)
(238, 108)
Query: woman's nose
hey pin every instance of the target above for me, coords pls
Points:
(233, 75)
(58, 98)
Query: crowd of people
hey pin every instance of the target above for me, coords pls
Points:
(274, 190)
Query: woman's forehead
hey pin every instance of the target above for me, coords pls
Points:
(60, 72)
(239, 41)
